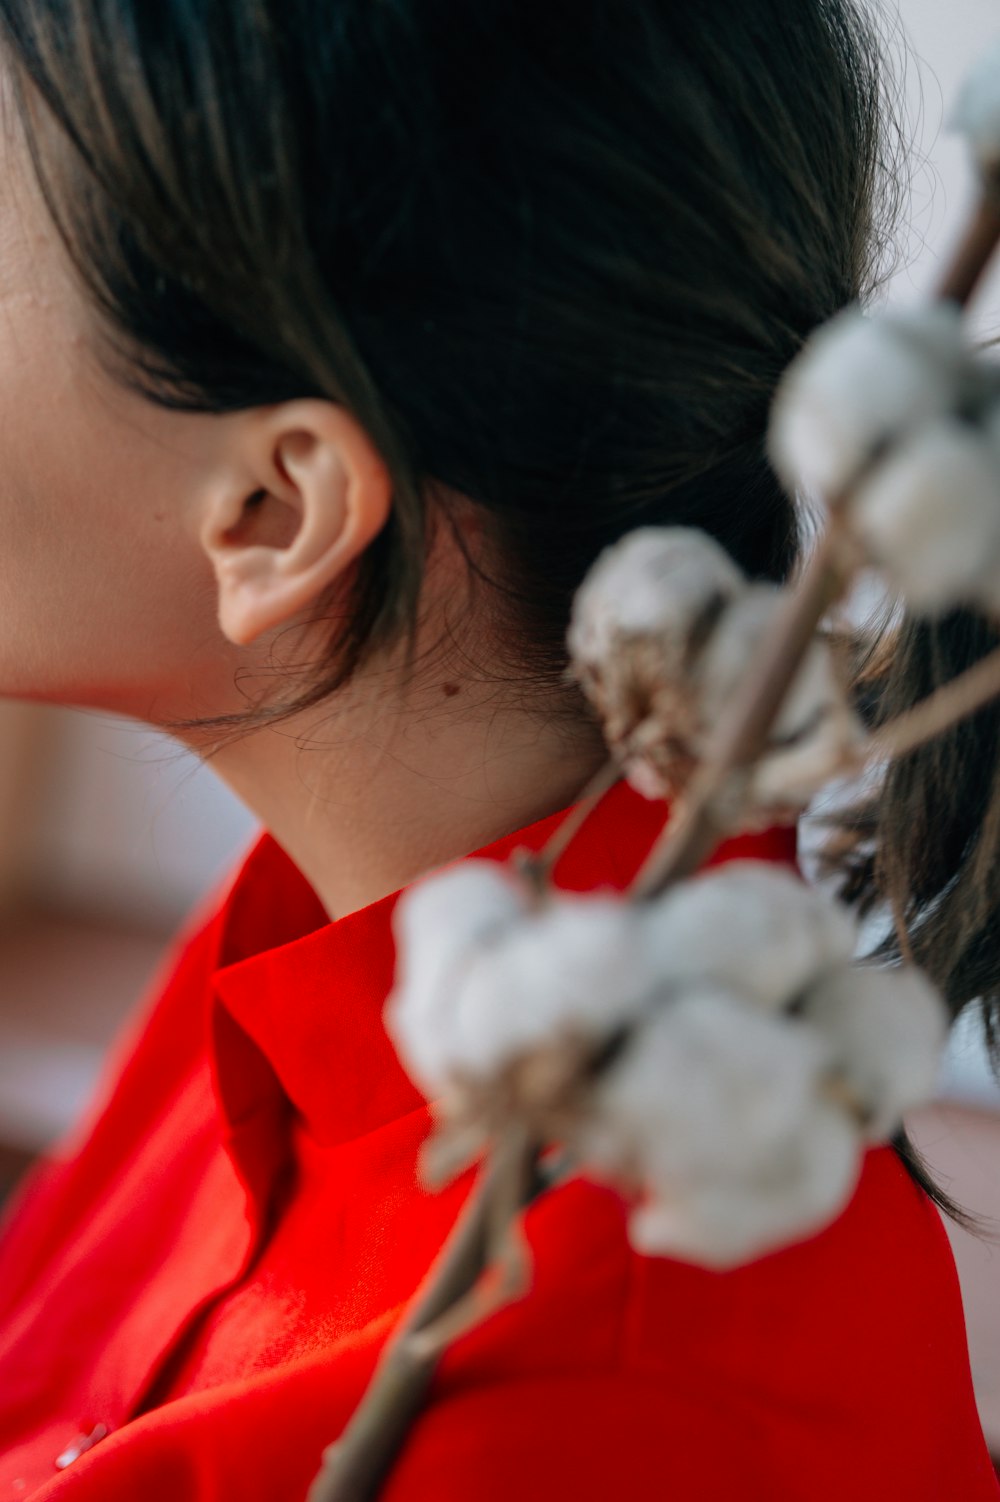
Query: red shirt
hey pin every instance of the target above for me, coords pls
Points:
(209, 1270)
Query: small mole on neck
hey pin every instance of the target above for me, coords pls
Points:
(450, 690)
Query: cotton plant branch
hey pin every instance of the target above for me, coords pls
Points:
(518, 1052)
(355, 1465)
(538, 867)
(947, 706)
(976, 251)
(742, 735)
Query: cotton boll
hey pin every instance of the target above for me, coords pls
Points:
(976, 110)
(459, 902)
(816, 734)
(784, 783)
(437, 924)
(857, 382)
(714, 1110)
(638, 621)
(661, 695)
(709, 1084)
(930, 515)
(734, 646)
(725, 1223)
(816, 693)
(750, 927)
(643, 776)
(522, 979)
(815, 727)
(574, 967)
(654, 581)
(889, 1028)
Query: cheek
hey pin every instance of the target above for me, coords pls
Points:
(104, 600)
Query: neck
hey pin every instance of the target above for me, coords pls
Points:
(391, 785)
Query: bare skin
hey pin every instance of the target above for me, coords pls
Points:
(152, 556)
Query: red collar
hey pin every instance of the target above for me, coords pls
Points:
(306, 994)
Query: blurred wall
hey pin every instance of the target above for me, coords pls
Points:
(132, 823)
(946, 38)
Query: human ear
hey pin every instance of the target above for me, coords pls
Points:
(301, 493)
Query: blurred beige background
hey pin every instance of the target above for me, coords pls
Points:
(109, 833)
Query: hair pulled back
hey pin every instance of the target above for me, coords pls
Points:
(553, 256)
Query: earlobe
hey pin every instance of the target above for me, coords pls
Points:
(304, 493)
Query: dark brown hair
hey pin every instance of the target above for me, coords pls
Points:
(920, 849)
(554, 256)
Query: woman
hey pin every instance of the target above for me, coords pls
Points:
(338, 340)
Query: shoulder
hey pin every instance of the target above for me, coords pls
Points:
(883, 1256)
(790, 1377)
(878, 1278)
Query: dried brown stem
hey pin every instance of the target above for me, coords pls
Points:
(690, 837)
(931, 717)
(945, 707)
(357, 1463)
(538, 866)
(506, 1255)
(355, 1466)
(976, 250)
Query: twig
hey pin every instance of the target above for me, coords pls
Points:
(932, 716)
(974, 254)
(742, 734)
(907, 732)
(355, 1466)
(538, 866)
(948, 704)
(504, 1251)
